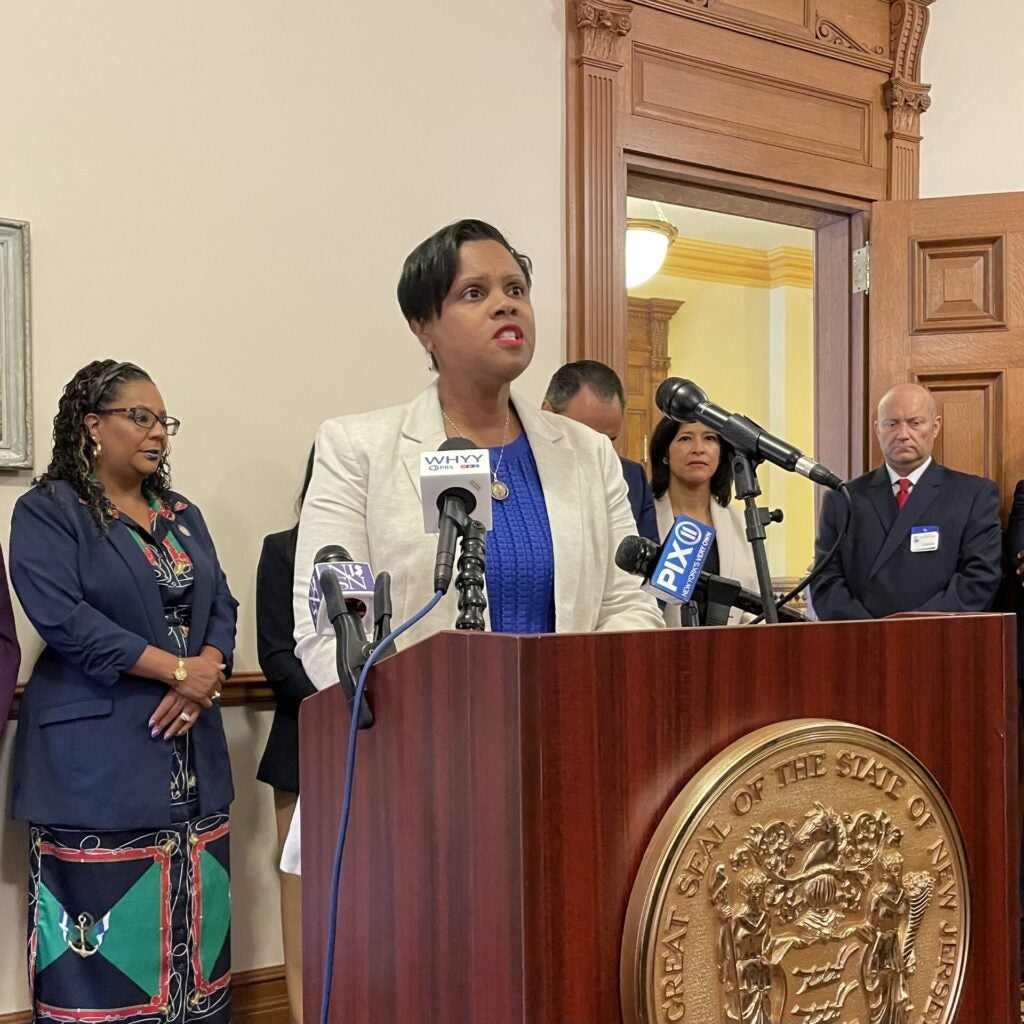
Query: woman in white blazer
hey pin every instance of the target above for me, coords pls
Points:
(691, 474)
(560, 505)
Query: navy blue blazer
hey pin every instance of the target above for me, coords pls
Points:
(875, 573)
(641, 499)
(10, 653)
(83, 753)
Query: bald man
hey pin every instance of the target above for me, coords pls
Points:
(922, 537)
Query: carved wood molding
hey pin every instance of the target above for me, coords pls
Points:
(597, 241)
(817, 35)
(601, 25)
(905, 97)
(829, 32)
(654, 315)
(908, 23)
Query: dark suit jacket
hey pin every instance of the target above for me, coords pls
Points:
(875, 573)
(83, 753)
(275, 644)
(641, 499)
(10, 653)
(1015, 543)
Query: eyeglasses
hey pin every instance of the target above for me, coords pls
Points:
(146, 418)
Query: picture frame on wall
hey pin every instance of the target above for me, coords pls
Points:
(15, 349)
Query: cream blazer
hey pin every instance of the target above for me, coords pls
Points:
(365, 495)
(735, 556)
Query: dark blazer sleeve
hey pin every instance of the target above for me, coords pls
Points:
(830, 592)
(10, 653)
(275, 624)
(641, 499)
(979, 565)
(44, 571)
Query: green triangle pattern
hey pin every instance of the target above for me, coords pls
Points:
(50, 941)
(214, 899)
(134, 942)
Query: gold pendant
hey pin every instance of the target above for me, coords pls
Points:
(499, 490)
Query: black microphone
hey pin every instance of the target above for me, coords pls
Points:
(345, 615)
(455, 505)
(639, 556)
(683, 401)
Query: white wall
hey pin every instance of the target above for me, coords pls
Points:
(224, 193)
(977, 98)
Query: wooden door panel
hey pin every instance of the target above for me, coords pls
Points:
(947, 309)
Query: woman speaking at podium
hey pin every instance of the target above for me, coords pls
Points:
(559, 499)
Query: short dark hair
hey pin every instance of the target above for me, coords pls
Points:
(429, 270)
(661, 440)
(566, 383)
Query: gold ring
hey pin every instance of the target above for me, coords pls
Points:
(185, 716)
(215, 694)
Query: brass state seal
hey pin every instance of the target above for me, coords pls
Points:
(811, 873)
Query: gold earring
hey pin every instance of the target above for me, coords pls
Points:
(97, 450)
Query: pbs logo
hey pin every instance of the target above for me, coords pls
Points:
(687, 533)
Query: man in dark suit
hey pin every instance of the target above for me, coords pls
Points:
(922, 537)
(591, 393)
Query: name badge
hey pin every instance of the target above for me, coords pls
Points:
(924, 538)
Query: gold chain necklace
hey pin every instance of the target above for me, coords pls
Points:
(499, 489)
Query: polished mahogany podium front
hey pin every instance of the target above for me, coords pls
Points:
(507, 792)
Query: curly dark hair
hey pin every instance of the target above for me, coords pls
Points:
(94, 387)
(661, 440)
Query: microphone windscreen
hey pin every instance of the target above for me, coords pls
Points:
(679, 399)
(332, 553)
(457, 444)
(636, 555)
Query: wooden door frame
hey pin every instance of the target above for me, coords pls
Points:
(840, 317)
(600, 163)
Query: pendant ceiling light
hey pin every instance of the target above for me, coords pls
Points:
(647, 243)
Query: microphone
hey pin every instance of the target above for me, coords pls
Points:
(340, 596)
(460, 465)
(639, 556)
(455, 484)
(670, 572)
(683, 401)
(355, 585)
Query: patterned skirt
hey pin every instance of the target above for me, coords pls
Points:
(131, 927)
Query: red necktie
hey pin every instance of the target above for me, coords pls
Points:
(903, 493)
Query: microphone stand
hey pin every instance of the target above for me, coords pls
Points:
(757, 518)
(470, 581)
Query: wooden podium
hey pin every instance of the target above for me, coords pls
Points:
(507, 792)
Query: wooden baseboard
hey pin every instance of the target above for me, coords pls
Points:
(257, 997)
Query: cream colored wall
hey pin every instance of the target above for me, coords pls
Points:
(977, 95)
(224, 193)
(751, 349)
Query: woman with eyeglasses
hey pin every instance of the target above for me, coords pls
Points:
(121, 764)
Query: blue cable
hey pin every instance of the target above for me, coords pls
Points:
(350, 762)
